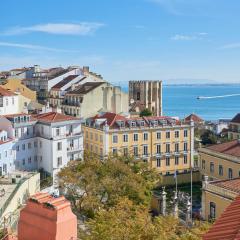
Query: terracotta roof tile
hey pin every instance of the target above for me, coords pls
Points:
(6, 93)
(236, 119)
(85, 88)
(227, 226)
(229, 148)
(229, 184)
(194, 118)
(54, 117)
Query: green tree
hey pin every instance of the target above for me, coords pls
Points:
(129, 221)
(145, 112)
(93, 184)
(208, 137)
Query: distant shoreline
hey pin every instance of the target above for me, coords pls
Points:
(201, 84)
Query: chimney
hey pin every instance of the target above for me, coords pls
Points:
(85, 69)
(47, 217)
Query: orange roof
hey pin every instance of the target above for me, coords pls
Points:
(194, 118)
(229, 148)
(229, 184)
(54, 117)
(227, 226)
(110, 117)
(6, 93)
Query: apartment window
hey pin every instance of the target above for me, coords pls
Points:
(176, 134)
(6, 101)
(145, 136)
(167, 147)
(220, 170)
(23, 147)
(145, 150)
(96, 137)
(177, 147)
(101, 152)
(35, 158)
(125, 151)
(185, 159)
(135, 137)
(22, 131)
(176, 160)
(114, 151)
(115, 138)
(29, 160)
(59, 146)
(211, 167)
(35, 144)
(230, 173)
(86, 134)
(29, 145)
(138, 95)
(28, 131)
(135, 151)
(13, 101)
(158, 149)
(57, 131)
(59, 161)
(185, 146)
(167, 161)
(91, 135)
(133, 124)
(40, 143)
(91, 148)
(23, 161)
(5, 153)
(212, 210)
(16, 132)
(142, 123)
(17, 148)
(168, 135)
(203, 164)
(42, 130)
(158, 135)
(158, 162)
(185, 133)
(125, 137)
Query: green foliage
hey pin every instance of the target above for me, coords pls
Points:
(208, 137)
(93, 184)
(129, 221)
(146, 112)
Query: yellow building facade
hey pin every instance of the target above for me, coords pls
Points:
(166, 144)
(217, 195)
(15, 85)
(234, 128)
(221, 161)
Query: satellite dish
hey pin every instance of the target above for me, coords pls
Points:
(132, 101)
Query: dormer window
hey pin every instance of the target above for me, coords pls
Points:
(122, 124)
(133, 124)
(142, 123)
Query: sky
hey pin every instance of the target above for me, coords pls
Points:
(171, 40)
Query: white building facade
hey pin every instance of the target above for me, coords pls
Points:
(46, 141)
(9, 102)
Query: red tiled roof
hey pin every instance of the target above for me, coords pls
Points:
(229, 184)
(54, 117)
(236, 119)
(227, 226)
(229, 148)
(111, 118)
(4, 92)
(194, 118)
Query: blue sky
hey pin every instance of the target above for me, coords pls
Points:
(125, 39)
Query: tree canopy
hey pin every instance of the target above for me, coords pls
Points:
(145, 112)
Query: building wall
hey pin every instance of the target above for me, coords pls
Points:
(10, 105)
(149, 93)
(94, 142)
(217, 161)
(220, 202)
(234, 131)
(27, 188)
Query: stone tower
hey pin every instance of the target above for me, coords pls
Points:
(146, 94)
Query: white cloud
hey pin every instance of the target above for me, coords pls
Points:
(31, 47)
(84, 28)
(182, 37)
(231, 46)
